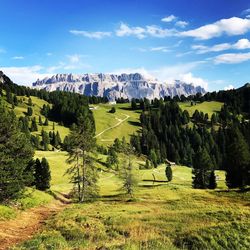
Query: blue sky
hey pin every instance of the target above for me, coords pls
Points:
(205, 42)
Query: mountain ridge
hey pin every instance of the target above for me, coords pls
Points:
(113, 86)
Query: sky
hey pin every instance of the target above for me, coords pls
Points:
(204, 42)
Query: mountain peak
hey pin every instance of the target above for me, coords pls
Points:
(128, 86)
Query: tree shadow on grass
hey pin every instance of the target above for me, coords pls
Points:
(56, 196)
(137, 124)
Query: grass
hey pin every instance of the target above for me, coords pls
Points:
(30, 198)
(104, 120)
(7, 212)
(205, 107)
(171, 215)
(58, 167)
(33, 198)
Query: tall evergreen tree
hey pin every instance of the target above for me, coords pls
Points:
(83, 172)
(42, 174)
(202, 167)
(15, 154)
(238, 160)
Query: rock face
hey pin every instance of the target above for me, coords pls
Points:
(116, 86)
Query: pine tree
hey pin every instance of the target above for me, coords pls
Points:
(169, 173)
(46, 122)
(29, 111)
(83, 173)
(42, 174)
(126, 173)
(58, 139)
(45, 140)
(33, 125)
(202, 169)
(238, 160)
(153, 157)
(15, 154)
(212, 181)
(30, 102)
(40, 121)
(133, 104)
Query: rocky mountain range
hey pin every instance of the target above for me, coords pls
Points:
(116, 86)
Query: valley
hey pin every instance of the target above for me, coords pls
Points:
(169, 215)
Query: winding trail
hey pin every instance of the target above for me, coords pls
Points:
(26, 224)
(116, 125)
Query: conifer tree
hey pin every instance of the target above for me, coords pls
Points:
(42, 174)
(40, 121)
(212, 181)
(30, 102)
(46, 122)
(169, 173)
(29, 111)
(127, 173)
(33, 125)
(45, 140)
(238, 160)
(15, 154)
(202, 167)
(83, 172)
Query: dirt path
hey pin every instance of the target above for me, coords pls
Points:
(116, 125)
(26, 224)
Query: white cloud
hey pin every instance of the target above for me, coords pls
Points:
(94, 35)
(181, 24)
(162, 49)
(231, 26)
(24, 75)
(242, 44)
(49, 54)
(141, 70)
(168, 74)
(2, 50)
(196, 81)
(73, 62)
(17, 58)
(74, 58)
(232, 58)
(245, 12)
(142, 32)
(239, 45)
(168, 19)
(229, 87)
(125, 30)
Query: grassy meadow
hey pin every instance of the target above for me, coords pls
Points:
(105, 120)
(205, 107)
(160, 216)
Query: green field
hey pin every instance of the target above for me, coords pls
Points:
(105, 120)
(205, 107)
(161, 216)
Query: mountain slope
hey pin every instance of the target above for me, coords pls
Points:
(114, 86)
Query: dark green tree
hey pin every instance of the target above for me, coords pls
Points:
(169, 173)
(29, 111)
(33, 125)
(15, 154)
(42, 174)
(238, 160)
(202, 167)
